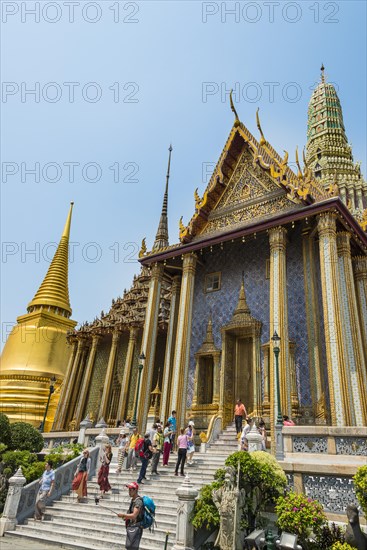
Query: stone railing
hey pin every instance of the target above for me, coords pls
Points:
(326, 440)
(63, 478)
(53, 439)
(214, 428)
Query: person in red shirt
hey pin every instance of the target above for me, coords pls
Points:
(239, 413)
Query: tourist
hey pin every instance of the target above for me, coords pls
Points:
(287, 421)
(79, 484)
(123, 443)
(104, 470)
(239, 413)
(131, 458)
(245, 431)
(157, 449)
(47, 483)
(182, 442)
(133, 518)
(173, 421)
(167, 443)
(145, 455)
(152, 431)
(262, 432)
(190, 432)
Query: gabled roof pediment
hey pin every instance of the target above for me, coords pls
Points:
(250, 181)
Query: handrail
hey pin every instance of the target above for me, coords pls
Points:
(214, 428)
(63, 478)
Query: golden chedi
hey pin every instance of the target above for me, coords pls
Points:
(36, 349)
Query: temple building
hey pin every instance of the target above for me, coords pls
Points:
(266, 250)
(36, 351)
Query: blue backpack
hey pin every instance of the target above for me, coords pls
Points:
(149, 513)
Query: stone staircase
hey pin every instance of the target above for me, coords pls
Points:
(88, 526)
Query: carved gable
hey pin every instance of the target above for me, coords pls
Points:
(251, 193)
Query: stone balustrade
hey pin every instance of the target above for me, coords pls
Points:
(330, 440)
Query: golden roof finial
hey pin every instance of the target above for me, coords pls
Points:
(143, 248)
(233, 109)
(322, 73)
(262, 138)
(300, 175)
(161, 239)
(54, 290)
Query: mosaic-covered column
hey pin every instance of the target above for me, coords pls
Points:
(58, 424)
(170, 348)
(313, 328)
(332, 319)
(148, 345)
(360, 274)
(279, 320)
(107, 382)
(355, 361)
(183, 339)
(86, 380)
(122, 406)
(66, 396)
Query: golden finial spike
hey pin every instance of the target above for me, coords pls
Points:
(300, 175)
(233, 109)
(262, 138)
(143, 248)
(322, 73)
(54, 290)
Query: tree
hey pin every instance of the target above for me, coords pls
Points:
(5, 433)
(24, 437)
(360, 484)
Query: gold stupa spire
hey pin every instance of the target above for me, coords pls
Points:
(54, 290)
(161, 239)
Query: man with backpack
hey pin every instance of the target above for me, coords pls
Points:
(133, 518)
(145, 454)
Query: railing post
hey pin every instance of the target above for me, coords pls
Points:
(186, 502)
(84, 425)
(101, 440)
(254, 439)
(8, 520)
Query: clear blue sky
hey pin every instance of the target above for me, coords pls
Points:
(149, 62)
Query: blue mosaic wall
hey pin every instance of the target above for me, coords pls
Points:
(249, 257)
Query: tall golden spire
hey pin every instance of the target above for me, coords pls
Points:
(54, 290)
(322, 73)
(161, 239)
(242, 307)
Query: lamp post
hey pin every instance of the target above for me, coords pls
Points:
(140, 369)
(279, 448)
(51, 391)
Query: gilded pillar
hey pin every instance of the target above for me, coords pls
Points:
(360, 274)
(355, 360)
(60, 412)
(183, 338)
(123, 401)
(279, 321)
(86, 380)
(170, 347)
(332, 319)
(148, 345)
(216, 378)
(66, 398)
(107, 383)
(313, 329)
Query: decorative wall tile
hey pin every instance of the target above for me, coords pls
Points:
(351, 446)
(308, 444)
(334, 493)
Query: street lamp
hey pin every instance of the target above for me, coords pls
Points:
(140, 368)
(51, 391)
(279, 451)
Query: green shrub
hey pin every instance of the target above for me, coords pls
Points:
(24, 437)
(329, 535)
(300, 515)
(32, 469)
(360, 484)
(5, 433)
